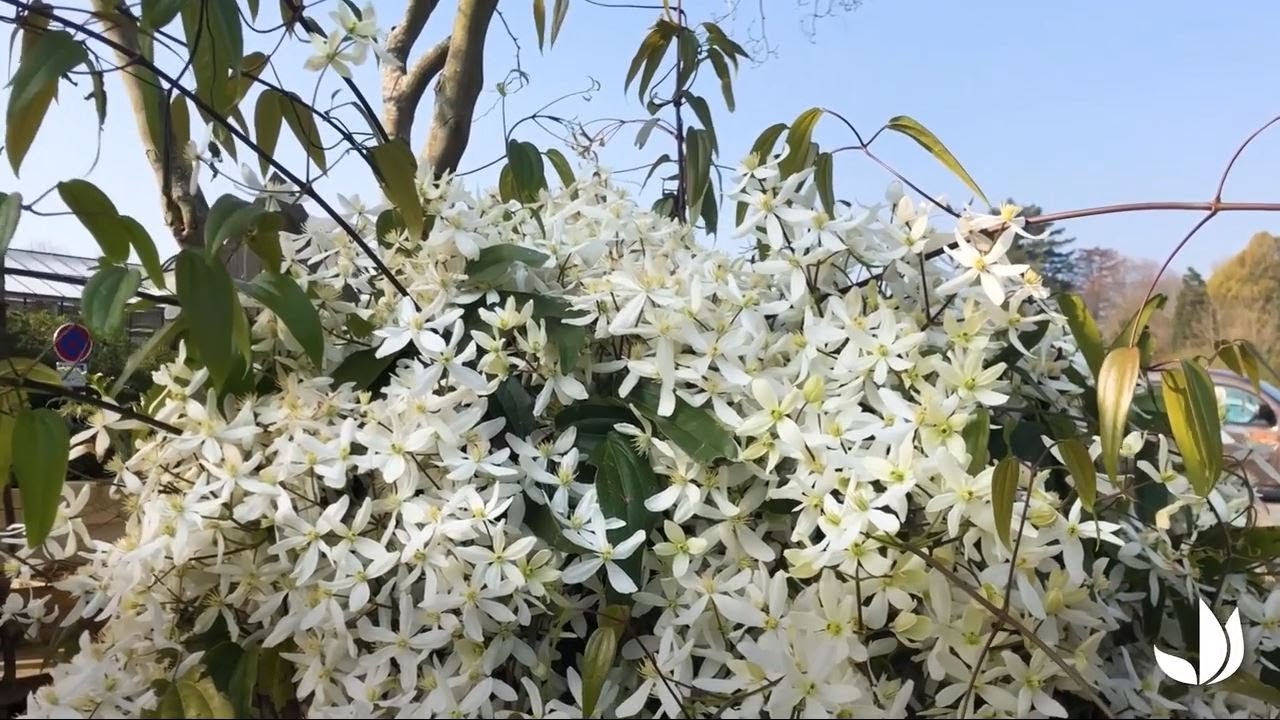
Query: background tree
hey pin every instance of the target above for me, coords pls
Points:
(1246, 291)
(1193, 315)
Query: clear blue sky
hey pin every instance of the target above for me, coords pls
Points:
(1062, 104)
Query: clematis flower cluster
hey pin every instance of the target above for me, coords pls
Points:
(774, 464)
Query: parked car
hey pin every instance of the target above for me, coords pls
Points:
(1253, 417)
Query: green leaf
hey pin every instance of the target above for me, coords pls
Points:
(160, 339)
(927, 140)
(158, 13)
(703, 111)
(658, 50)
(1243, 683)
(362, 368)
(105, 296)
(170, 705)
(40, 469)
(597, 661)
(302, 122)
(763, 146)
(517, 407)
(593, 419)
(233, 219)
(282, 296)
(1004, 485)
(697, 167)
(540, 20)
(208, 306)
(33, 87)
(397, 175)
(495, 261)
(823, 177)
(1116, 381)
(1191, 405)
(266, 125)
(275, 676)
(99, 216)
(244, 682)
(798, 139)
(10, 213)
(663, 159)
(687, 55)
(558, 13)
(710, 212)
(99, 95)
(545, 527)
(694, 429)
(724, 43)
(722, 72)
(264, 240)
(1140, 318)
(1084, 329)
(201, 699)
(569, 341)
(1079, 463)
(216, 44)
(144, 248)
(1238, 361)
(562, 168)
(977, 439)
(624, 481)
(528, 174)
(30, 370)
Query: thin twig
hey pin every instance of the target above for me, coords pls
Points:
(88, 399)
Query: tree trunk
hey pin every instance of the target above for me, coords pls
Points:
(184, 211)
(460, 84)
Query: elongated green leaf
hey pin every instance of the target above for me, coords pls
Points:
(1140, 319)
(977, 439)
(208, 308)
(657, 51)
(698, 168)
(517, 407)
(201, 700)
(7, 421)
(1079, 463)
(105, 296)
(540, 20)
(282, 296)
(495, 261)
(655, 43)
(1004, 485)
(302, 122)
(663, 159)
(160, 339)
(562, 167)
(710, 212)
(823, 177)
(29, 369)
(158, 13)
(361, 368)
(244, 682)
(696, 430)
(275, 676)
(98, 92)
(762, 148)
(397, 170)
(99, 216)
(10, 213)
(687, 55)
(726, 79)
(33, 87)
(1116, 381)
(266, 125)
(1192, 407)
(144, 248)
(220, 214)
(216, 41)
(597, 661)
(1084, 329)
(558, 13)
(927, 140)
(1243, 683)
(624, 481)
(703, 111)
(170, 704)
(592, 419)
(724, 43)
(1237, 360)
(40, 468)
(798, 139)
(527, 172)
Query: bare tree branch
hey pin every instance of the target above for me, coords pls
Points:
(184, 211)
(402, 37)
(460, 84)
(401, 92)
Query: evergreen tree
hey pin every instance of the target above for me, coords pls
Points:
(1050, 255)
(1193, 314)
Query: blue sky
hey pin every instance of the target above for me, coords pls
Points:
(1062, 104)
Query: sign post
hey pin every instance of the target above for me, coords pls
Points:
(73, 344)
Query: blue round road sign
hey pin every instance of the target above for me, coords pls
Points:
(72, 343)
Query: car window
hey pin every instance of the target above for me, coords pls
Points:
(1241, 406)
